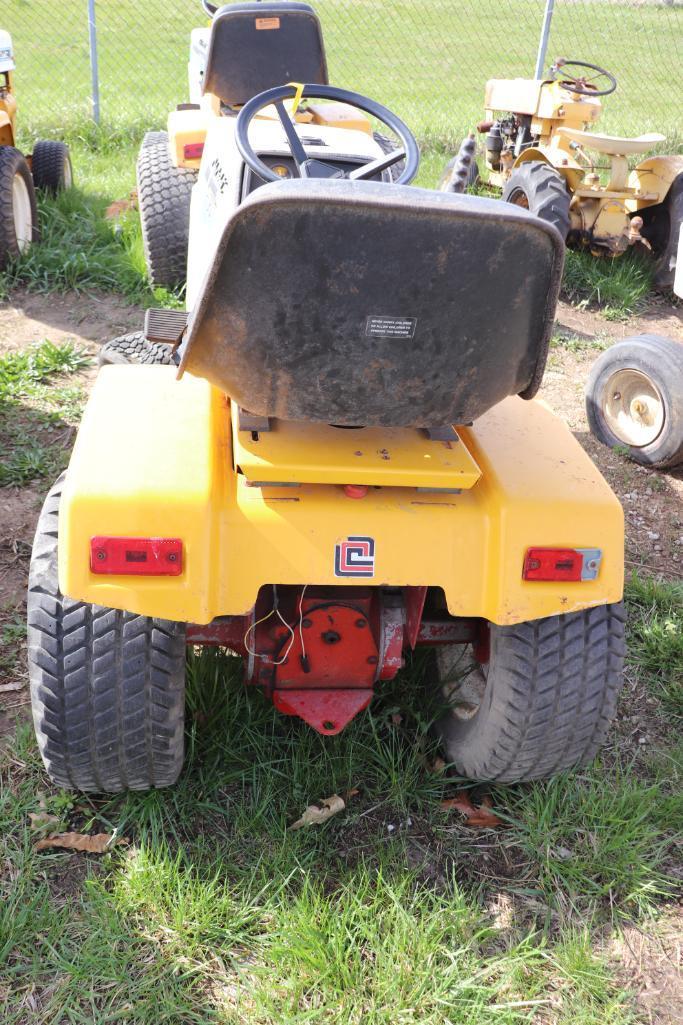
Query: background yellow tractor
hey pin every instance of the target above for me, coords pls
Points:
(538, 153)
(48, 168)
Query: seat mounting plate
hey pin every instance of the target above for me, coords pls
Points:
(298, 452)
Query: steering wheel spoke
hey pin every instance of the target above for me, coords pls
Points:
(295, 144)
(377, 166)
(314, 167)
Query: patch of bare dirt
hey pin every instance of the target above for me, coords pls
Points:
(660, 318)
(85, 319)
(649, 962)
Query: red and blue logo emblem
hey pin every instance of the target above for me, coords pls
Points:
(355, 557)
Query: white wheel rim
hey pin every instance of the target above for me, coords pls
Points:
(21, 212)
(68, 174)
(633, 407)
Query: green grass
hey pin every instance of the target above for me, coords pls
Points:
(656, 640)
(39, 407)
(618, 286)
(215, 912)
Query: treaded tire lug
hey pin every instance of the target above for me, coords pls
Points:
(550, 695)
(107, 687)
(544, 191)
(134, 348)
(164, 193)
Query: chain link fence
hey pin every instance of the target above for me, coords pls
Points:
(427, 59)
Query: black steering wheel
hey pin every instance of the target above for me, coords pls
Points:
(309, 167)
(581, 84)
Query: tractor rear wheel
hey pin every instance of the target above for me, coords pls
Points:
(540, 189)
(134, 348)
(51, 166)
(634, 399)
(18, 210)
(164, 193)
(661, 227)
(542, 703)
(107, 687)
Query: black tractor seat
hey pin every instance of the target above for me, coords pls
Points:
(257, 46)
(354, 303)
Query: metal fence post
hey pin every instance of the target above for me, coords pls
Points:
(543, 41)
(94, 69)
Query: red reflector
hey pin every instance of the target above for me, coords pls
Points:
(193, 150)
(137, 556)
(553, 564)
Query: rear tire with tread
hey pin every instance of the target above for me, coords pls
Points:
(107, 687)
(546, 699)
(164, 193)
(51, 166)
(541, 189)
(661, 227)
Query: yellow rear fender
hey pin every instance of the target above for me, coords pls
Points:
(154, 459)
(654, 178)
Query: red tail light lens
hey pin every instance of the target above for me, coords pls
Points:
(137, 556)
(193, 150)
(561, 563)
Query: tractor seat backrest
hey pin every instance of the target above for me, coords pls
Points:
(257, 46)
(358, 303)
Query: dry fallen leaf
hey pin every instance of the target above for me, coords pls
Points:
(121, 206)
(477, 818)
(438, 766)
(97, 844)
(316, 814)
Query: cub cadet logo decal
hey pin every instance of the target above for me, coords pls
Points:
(355, 557)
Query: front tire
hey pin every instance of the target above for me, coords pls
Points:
(134, 348)
(164, 193)
(542, 703)
(18, 210)
(634, 399)
(540, 189)
(51, 166)
(107, 687)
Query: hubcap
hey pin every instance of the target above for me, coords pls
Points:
(21, 212)
(633, 407)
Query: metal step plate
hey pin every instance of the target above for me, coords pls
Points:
(165, 325)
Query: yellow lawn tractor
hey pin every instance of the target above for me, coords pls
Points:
(539, 147)
(342, 461)
(48, 168)
(169, 161)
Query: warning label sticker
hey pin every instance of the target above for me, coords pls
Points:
(390, 327)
